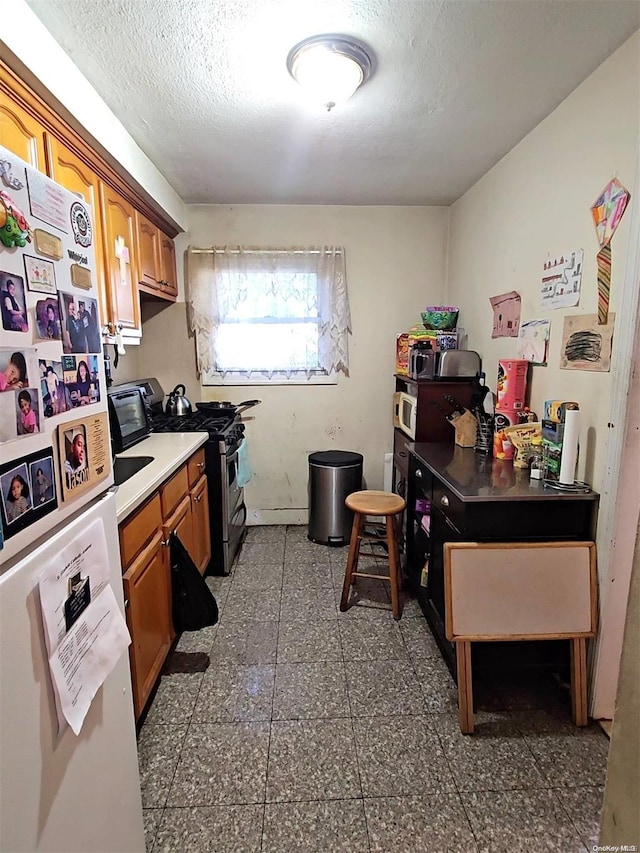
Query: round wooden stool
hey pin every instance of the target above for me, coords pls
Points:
(377, 504)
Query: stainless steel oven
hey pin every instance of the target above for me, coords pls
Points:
(227, 510)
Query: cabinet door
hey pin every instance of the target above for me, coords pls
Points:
(70, 171)
(181, 523)
(201, 531)
(121, 268)
(168, 265)
(147, 592)
(22, 134)
(149, 266)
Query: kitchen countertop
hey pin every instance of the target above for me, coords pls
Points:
(170, 450)
(478, 477)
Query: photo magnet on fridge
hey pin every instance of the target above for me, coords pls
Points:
(84, 452)
(27, 491)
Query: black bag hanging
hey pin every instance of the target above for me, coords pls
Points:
(192, 602)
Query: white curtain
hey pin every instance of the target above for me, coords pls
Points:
(291, 302)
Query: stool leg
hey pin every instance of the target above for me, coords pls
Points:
(398, 530)
(352, 559)
(393, 565)
(579, 681)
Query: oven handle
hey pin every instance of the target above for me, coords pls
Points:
(243, 509)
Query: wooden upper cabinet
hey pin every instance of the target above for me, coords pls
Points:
(22, 134)
(129, 247)
(156, 259)
(120, 262)
(149, 265)
(168, 265)
(74, 174)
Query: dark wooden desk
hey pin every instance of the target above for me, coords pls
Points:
(476, 498)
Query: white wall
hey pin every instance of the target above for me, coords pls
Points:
(535, 203)
(395, 266)
(31, 42)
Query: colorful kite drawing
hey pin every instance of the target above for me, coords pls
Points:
(607, 212)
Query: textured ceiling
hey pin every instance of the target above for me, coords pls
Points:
(202, 87)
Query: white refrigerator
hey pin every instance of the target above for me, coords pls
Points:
(59, 791)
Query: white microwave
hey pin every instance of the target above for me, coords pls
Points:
(404, 412)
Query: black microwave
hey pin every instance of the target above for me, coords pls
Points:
(128, 417)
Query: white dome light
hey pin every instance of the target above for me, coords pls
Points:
(331, 68)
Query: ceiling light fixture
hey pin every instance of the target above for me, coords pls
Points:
(330, 67)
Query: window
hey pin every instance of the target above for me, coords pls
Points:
(269, 315)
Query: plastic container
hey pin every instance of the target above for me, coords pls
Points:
(442, 317)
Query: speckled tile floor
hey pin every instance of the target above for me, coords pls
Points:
(290, 726)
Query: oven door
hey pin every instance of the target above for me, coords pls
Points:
(234, 511)
(233, 494)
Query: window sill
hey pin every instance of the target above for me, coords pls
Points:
(234, 379)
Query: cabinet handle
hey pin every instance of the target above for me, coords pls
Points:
(403, 453)
(444, 500)
(127, 604)
(198, 499)
(200, 465)
(418, 474)
(166, 542)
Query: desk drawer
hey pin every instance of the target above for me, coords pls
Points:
(136, 531)
(174, 491)
(401, 451)
(195, 467)
(449, 505)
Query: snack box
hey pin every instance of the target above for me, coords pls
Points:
(419, 333)
(555, 410)
(402, 354)
(512, 384)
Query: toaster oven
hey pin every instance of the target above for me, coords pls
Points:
(449, 364)
(128, 417)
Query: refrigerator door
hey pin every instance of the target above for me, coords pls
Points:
(53, 393)
(58, 791)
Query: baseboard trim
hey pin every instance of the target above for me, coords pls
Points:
(256, 517)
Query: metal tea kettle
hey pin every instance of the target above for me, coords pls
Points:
(178, 404)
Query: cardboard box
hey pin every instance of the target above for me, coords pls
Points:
(555, 410)
(402, 354)
(512, 384)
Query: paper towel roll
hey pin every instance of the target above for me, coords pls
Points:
(569, 447)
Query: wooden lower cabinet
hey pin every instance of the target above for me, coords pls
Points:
(147, 593)
(179, 506)
(180, 523)
(201, 553)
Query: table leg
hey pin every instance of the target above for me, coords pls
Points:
(579, 681)
(465, 686)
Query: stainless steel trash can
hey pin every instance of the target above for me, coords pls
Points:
(333, 474)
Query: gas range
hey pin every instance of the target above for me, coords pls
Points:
(225, 430)
(227, 509)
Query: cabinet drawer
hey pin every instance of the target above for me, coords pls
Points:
(195, 467)
(449, 505)
(401, 451)
(136, 531)
(173, 491)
